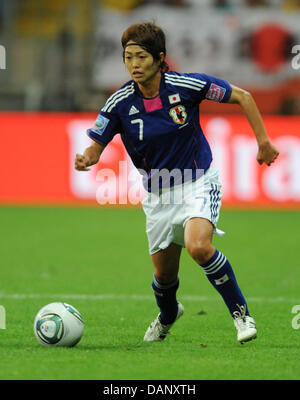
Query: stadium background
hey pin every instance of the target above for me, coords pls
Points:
(62, 61)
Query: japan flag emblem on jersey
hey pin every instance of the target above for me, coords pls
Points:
(174, 98)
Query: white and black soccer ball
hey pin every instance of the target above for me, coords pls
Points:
(58, 324)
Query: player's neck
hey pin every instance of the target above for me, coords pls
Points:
(150, 88)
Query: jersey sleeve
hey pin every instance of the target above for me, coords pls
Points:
(212, 88)
(106, 126)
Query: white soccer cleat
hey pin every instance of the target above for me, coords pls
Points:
(157, 331)
(245, 325)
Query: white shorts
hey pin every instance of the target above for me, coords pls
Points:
(168, 211)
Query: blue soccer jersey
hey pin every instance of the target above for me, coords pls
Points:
(162, 133)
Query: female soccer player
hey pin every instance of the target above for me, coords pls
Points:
(157, 115)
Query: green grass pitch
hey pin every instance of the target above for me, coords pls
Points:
(97, 260)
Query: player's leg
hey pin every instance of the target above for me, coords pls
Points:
(166, 263)
(166, 281)
(198, 241)
(198, 236)
(165, 284)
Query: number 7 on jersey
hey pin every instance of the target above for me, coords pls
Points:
(141, 127)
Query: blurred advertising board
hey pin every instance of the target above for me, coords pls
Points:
(38, 151)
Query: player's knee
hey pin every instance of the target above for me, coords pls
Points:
(199, 250)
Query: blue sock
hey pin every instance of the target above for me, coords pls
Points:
(165, 296)
(220, 274)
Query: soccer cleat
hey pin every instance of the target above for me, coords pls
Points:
(157, 331)
(245, 325)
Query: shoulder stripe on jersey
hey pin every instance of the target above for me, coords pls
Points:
(114, 95)
(196, 84)
(118, 95)
(188, 79)
(120, 99)
(111, 98)
(180, 83)
(129, 93)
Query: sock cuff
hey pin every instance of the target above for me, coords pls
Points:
(160, 285)
(215, 263)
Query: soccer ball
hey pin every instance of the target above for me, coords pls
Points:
(58, 324)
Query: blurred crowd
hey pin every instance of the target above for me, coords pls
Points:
(287, 5)
(51, 49)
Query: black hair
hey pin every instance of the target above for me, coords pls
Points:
(150, 37)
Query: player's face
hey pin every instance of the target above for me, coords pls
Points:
(140, 64)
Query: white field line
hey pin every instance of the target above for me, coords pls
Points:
(65, 296)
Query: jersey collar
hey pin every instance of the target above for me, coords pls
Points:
(162, 87)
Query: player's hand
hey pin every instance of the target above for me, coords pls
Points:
(82, 163)
(267, 153)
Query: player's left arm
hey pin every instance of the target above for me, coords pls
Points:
(267, 152)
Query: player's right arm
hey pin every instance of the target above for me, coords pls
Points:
(106, 126)
(90, 157)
